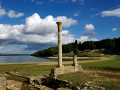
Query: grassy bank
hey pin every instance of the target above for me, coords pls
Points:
(27, 70)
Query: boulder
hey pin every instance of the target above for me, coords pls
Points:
(14, 85)
(2, 83)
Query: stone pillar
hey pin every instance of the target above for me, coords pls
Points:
(59, 44)
(75, 60)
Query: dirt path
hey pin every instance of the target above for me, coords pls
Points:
(91, 59)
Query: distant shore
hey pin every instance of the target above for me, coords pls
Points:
(91, 59)
(77, 57)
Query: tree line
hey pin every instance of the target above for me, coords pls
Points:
(110, 46)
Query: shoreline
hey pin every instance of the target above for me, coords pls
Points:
(91, 59)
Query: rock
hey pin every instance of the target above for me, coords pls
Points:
(14, 85)
(63, 89)
(45, 88)
(2, 83)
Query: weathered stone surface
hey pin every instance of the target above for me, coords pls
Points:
(67, 69)
(59, 44)
(37, 82)
(14, 85)
(63, 89)
(75, 60)
(87, 86)
(45, 88)
(2, 83)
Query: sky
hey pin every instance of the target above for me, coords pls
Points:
(27, 26)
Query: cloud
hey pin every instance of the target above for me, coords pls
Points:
(86, 38)
(37, 33)
(93, 9)
(59, 1)
(114, 29)
(35, 30)
(36, 25)
(2, 11)
(115, 12)
(81, 2)
(13, 14)
(89, 33)
(76, 14)
(1, 47)
(89, 27)
(40, 2)
(67, 22)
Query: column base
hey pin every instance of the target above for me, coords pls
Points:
(63, 70)
(60, 66)
(74, 64)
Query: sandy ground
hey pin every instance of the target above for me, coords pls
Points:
(91, 59)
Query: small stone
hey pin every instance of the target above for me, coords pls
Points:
(85, 88)
(31, 88)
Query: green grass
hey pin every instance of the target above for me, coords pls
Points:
(27, 70)
(107, 74)
(97, 80)
(110, 65)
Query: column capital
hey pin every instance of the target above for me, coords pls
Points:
(59, 26)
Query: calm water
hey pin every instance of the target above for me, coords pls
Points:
(23, 59)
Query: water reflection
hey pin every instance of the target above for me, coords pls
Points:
(23, 59)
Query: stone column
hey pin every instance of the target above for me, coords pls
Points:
(59, 44)
(75, 60)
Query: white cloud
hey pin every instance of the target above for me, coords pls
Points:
(115, 12)
(86, 38)
(1, 47)
(40, 2)
(67, 22)
(2, 11)
(89, 27)
(81, 1)
(114, 29)
(35, 30)
(76, 14)
(13, 14)
(36, 25)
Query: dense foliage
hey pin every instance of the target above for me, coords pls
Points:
(110, 46)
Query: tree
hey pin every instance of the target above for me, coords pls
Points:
(88, 45)
(108, 43)
(79, 46)
(75, 45)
